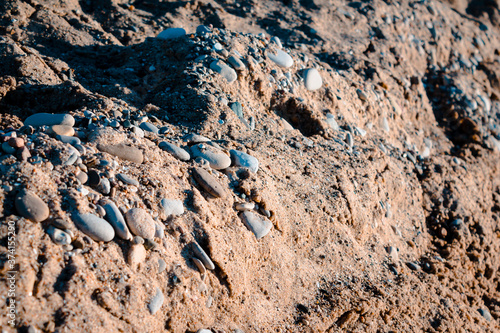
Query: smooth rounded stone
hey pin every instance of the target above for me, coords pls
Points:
(156, 302)
(276, 41)
(218, 47)
(227, 72)
(312, 79)
(58, 236)
(171, 33)
(281, 58)
(384, 124)
(8, 148)
(72, 140)
(208, 182)
(15, 142)
(137, 131)
(159, 230)
(61, 130)
(203, 29)
(49, 119)
(259, 225)
(149, 127)
(93, 226)
(413, 266)
(127, 179)
(244, 206)
(203, 330)
(116, 219)
(203, 256)
(236, 63)
(61, 224)
(217, 159)
(486, 314)
(361, 94)
(136, 255)
(150, 244)
(193, 138)
(245, 160)
(140, 223)
(123, 152)
(104, 186)
(330, 120)
(162, 265)
(177, 152)
(199, 265)
(172, 207)
(94, 177)
(30, 206)
(72, 159)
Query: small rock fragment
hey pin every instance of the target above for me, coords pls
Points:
(172, 207)
(242, 159)
(136, 255)
(58, 236)
(259, 225)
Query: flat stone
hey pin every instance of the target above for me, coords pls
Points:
(171, 33)
(227, 72)
(203, 256)
(244, 206)
(203, 330)
(200, 265)
(115, 218)
(242, 159)
(30, 206)
(162, 265)
(177, 152)
(8, 148)
(104, 186)
(259, 225)
(361, 94)
(148, 127)
(312, 79)
(193, 138)
(203, 29)
(236, 63)
(237, 109)
(58, 236)
(218, 160)
(281, 58)
(172, 207)
(72, 140)
(330, 120)
(93, 226)
(127, 179)
(486, 314)
(208, 182)
(49, 119)
(61, 130)
(140, 223)
(123, 152)
(136, 255)
(156, 302)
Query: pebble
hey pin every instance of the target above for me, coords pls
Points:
(48, 119)
(202, 255)
(203, 330)
(72, 140)
(203, 29)
(193, 138)
(172, 207)
(8, 148)
(15, 142)
(312, 79)
(276, 41)
(23, 154)
(127, 179)
(177, 152)
(148, 127)
(156, 303)
(349, 140)
(200, 266)
(97, 228)
(259, 225)
(361, 94)
(413, 266)
(218, 160)
(208, 182)
(281, 58)
(384, 124)
(243, 206)
(94, 177)
(137, 131)
(61, 130)
(162, 265)
(171, 33)
(227, 72)
(115, 218)
(71, 159)
(104, 186)
(242, 159)
(123, 152)
(30, 206)
(140, 223)
(61, 224)
(136, 255)
(486, 314)
(237, 109)
(159, 230)
(236, 63)
(58, 236)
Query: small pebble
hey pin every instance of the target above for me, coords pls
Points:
(200, 266)
(486, 314)
(259, 225)
(218, 160)
(202, 29)
(208, 182)
(202, 255)
(94, 178)
(171, 33)
(242, 159)
(172, 207)
(361, 94)
(61, 224)
(413, 266)
(95, 227)
(236, 63)
(175, 151)
(116, 219)
(227, 72)
(281, 58)
(123, 152)
(16, 142)
(193, 138)
(149, 127)
(8, 149)
(61, 130)
(127, 179)
(104, 186)
(140, 223)
(30, 206)
(203, 330)
(72, 140)
(162, 265)
(312, 79)
(136, 255)
(58, 236)
(244, 206)
(47, 119)
(156, 302)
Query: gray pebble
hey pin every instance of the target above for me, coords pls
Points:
(123, 152)
(72, 140)
(127, 179)
(413, 266)
(281, 58)
(312, 79)
(156, 303)
(8, 149)
(236, 63)
(30, 206)
(203, 330)
(208, 182)
(115, 218)
(218, 160)
(140, 223)
(227, 72)
(58, 236)
(48, 119)
(104, 186)
(95, 227)
(202, 29)
(137, 131)
(72, 159)
(193, 138)
(486, 314)
(203, 256)
(276, 41)
(149, 127)
(237, 109)
(242, 159)
(171, 33)
(362, 96)
(61, 224)
(172, 207)
(259, 225)
(175, 151)
(159, 230)
(162, 265)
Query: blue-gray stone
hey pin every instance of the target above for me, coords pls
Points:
(149, 127)
(171, 33)
(72, 140)
(203, 29)
(175, 151)
(227, 72)
(127, 179)
(242, 159)
(96, 228)
(259, 225)
(156, 302)
(116, 219)
(237, 108)
(49, 119)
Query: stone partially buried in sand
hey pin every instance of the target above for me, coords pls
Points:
(30, 206)
(156, 302)
(123, 152)
(281, 58)
(242, 159)
(312, 79)
(259, 225)
(203, 256)
(172, 207)
(49, 119)
(97, 228)
(171, 33)
(140, 223)
(175, 151)
(115, 218)
(208, 182)
(218, 159)
(223, 69)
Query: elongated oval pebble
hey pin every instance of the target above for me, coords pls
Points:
(281, 58)
(30, 206)
(115, 218)
(140, 223)
(227, 72)
(312, 79)
(242, 159)
(218, 160)
(259, 225)
(243, 206)
(156, 302)
(208, 182)
(175, 151)
(171, 33)
(49, 119)
(203, 256)
(97, 228)
(199, 265)
(123, 152)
